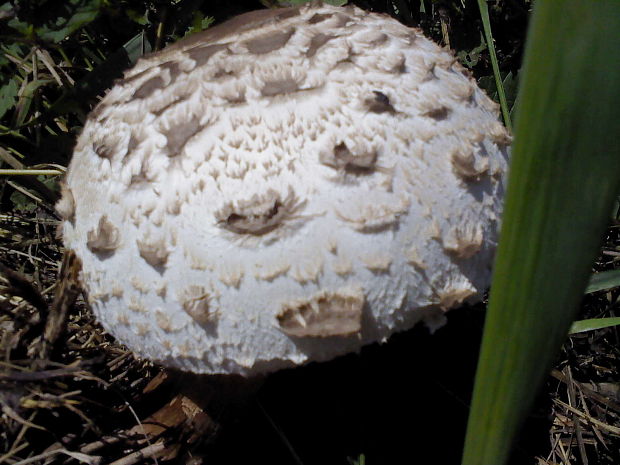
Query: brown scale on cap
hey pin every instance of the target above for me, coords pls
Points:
(149, 86)
(375, 216)
(279, 87)
(269, 42)
(379, 103)
(202, 55)
(326, 314)
(143, 179)
(104, 150)
(464, 242)
(452, 297)
(439, 114)
(139, 285)
(179, 135)
(167, 74)
(342, 158)
(105, 239)
(181, 100)
(317, 42)
(137, 305)
(258, 215)
(272, 271)
(467, 166)
(196, 303)
(232, 275)
(377, 263)
(413, 258)
(307, 269)
(164, 321)
(161, 290)
(153, 251)
(142, 329)
(342, 266)
(317, 18)
(133, 143)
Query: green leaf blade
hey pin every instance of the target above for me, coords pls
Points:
(565, 173)
(8, 96)
(591, 324)
(603, 281)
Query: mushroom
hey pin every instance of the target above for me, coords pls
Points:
(283, 188)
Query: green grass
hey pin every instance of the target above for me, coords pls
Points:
(486, 24)
(564, 177)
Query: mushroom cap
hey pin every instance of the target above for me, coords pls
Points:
(285, 187)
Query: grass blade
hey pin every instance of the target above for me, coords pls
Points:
(603, 281)
(592, 324)
(488, 35)
(565, 174)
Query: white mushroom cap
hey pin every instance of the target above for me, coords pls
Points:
(285, 187)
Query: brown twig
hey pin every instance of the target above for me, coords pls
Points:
(573, 401)
(64, 298)
(20, 286)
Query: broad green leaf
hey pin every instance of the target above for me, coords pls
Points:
(136, 47)
(24, 28)
(564, 176)
(592, 324)
(200, 22)
(81, 13)
(8, 96)
(22, 203)
(56, 23)
(603, 281)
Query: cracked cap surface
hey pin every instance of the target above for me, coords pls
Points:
(285, 187)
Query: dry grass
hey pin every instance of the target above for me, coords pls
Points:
(585, 384)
